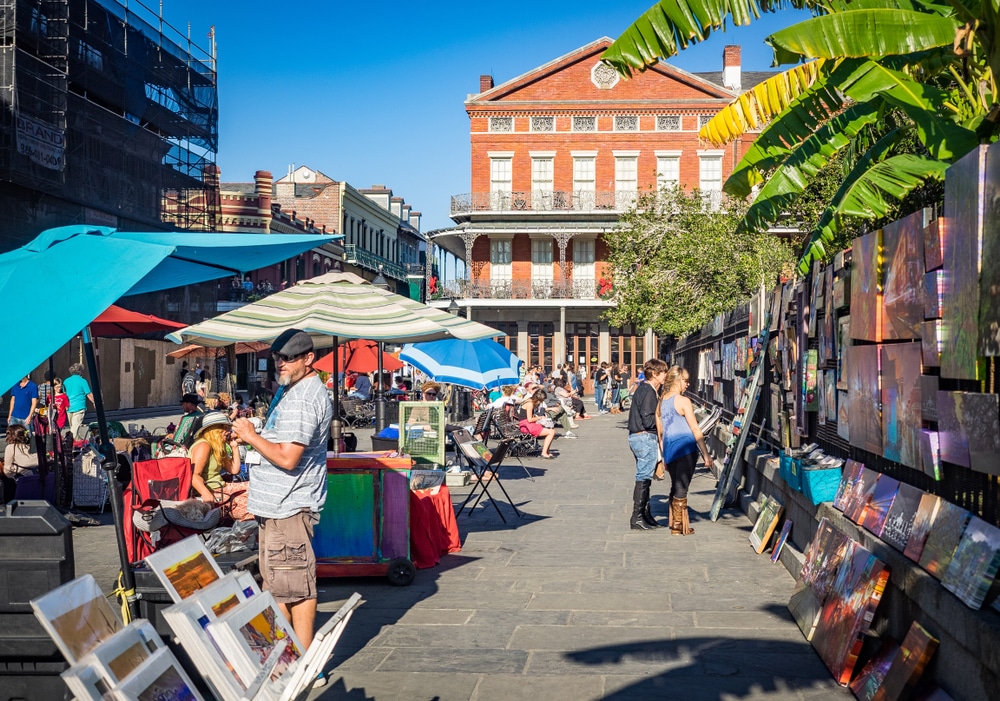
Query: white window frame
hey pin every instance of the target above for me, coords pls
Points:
(584, 179)
(542, 259)
(710, 176)
(668, 163)
(626, 177)
(542, 179)
(501, 179)
(501, 261)
(584, 258)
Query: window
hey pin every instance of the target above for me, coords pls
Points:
(541, 183)
(626, 180)
(584, 123)
(668, 122)
(668, 170)
(543, 124)
(500, 262)
(541, 261)
(583, 182)
(704, 119)
(710, 178)
(583, 267)
(500, 182)
(626, 122)
(502, 124)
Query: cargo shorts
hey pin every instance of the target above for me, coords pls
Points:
(287, 560)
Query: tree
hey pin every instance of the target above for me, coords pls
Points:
(676, 263)
(906, 86)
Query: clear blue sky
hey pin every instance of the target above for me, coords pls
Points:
(373, 92)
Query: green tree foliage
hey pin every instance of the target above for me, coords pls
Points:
(676, 263)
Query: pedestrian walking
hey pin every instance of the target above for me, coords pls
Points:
(645, 436)
(23, 403)
(681, 441)
(78, 391)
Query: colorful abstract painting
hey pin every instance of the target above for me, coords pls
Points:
(953, 444)
(830, 394)
(843, 344)
(864, 397)
(829, 319)
(974, 566)
(901, 403)
(933, 256)
(856, 592)
(810, 381)
(928, 397)
(899, 522)
(850, 477)
(930, 343)
(908, 664)
(942, 540)
(932, 295)
(964, 197)
(857, 500)
(927, 513)
(989, 276)
(930, 453)
(865, 277)
(843, 416)
(903, 278)
(878, 507)
(866, 684)
(823, 558)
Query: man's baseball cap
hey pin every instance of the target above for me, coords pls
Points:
(292, 342)
(190, 398)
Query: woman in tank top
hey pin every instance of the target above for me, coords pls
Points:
(682, 440)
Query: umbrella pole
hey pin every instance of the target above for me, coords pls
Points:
(380, 407)
(110, 463)
(335, 425)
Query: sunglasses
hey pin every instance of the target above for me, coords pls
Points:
(282, 358)
(430, 394)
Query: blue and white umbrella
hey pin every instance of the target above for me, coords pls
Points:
(475, 364)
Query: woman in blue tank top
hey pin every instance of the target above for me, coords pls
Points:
(682, 439)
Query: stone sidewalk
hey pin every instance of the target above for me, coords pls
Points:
(569, 603)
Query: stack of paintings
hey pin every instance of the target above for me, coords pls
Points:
(822, 561)
(767, 521)
(866, 685)
(907, 665)
(877, 510)
(862, 492)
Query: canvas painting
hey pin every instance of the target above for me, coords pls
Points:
(973, 568)
(810, 388)
(842, 290)
(851, 474)
(933, 255)
(767, 521)
(878, 507)
(184, 567)
(830, 395)
(160, 678)
(899, 522)
(775, 419)
(989, 277)
(843, 343)
(929, 385)
(786, 528)
(927, 513)
(77, 616)
(856, 592)
(903, 279)
(930, 453)
(864, 490)
(952, 441)
(843, 416)
(822, 561)
(867, 683)
(932, 295)
(901, 403)
(963, 200)
(815, 297)
(865, 293)
(943, 539)
(775, 310)
(863, 397)
(821, 383)
(930, 343)
(979, 416)
(908, 664)
(829, 319)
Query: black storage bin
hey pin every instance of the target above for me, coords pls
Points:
(33, 681)
(36, 556)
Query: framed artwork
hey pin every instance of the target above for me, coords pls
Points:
(942, 540)
(843, 416)
(865, 293)
(850, 476)
(929, 385)
(842, 290)
(864, 397)
(923, 521)
(184, 567)
(113, 660)
(908, 664)
(899, 522)
(865, 686)
(901, 402)
(786, 528)
(903, 279)
(160, 678)
(878, 506)
(974, 566)
(989, 275)
(930, 453)
(815, 295)
(77, 617)
(829, 319)
(829, 390)
(930, 343)
(767, 521)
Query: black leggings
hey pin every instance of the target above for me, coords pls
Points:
(681, 471)
(578, 407)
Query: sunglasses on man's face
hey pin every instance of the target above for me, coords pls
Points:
(282, 358)
(430, 394)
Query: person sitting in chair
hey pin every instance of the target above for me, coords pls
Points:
(362, 388)
(17, 461)
(212, 453)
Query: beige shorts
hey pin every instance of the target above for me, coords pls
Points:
(287, 560)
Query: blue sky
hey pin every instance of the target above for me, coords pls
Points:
(373, 92)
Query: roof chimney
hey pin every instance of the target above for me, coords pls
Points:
(731, 67)
(486, 82)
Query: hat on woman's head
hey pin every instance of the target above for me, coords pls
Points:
(212, 419)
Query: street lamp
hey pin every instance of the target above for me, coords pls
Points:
(453, 308)
(380, 280)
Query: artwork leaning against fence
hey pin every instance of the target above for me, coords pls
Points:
(865, 275)
(901, 407)
(899, 522)
(863, 397)
(902, 295)
(989, 280)
(943, 539)
(953, 444)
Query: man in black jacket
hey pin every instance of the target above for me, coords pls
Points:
(645, 438)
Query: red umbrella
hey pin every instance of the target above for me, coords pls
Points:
(361, 356)
(241, 347)
(117, 322)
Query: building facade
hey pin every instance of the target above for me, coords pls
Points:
(558, 154)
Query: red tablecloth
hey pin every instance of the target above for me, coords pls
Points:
(433, 529)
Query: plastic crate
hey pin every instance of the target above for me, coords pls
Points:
(791, 471)
(33, 680)
(820, 484)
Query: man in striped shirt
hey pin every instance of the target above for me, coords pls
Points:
(288, 488)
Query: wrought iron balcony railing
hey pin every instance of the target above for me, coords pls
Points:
(366, 259)
(521, 289)
(542, 201)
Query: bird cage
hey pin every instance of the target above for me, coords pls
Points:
(421, 431)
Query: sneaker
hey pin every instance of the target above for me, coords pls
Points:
(321, 681)
(569, 434)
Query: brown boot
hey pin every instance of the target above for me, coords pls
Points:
(679, 512)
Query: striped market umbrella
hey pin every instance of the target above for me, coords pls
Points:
(475, 364)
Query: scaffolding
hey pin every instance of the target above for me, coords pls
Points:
(105, 106)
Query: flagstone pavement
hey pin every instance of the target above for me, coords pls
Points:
(567, 602)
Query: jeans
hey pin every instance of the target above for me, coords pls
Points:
(599, 397)
(646, 449)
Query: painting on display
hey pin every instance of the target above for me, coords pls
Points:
(767, 521)
(850, 477)
(842, 290)
(843, 343)
(866, 685)
(974, 566)
(861, 494)
(864, 397)
(928, 397)
(829, 319)
(952, 442)
(927, 513)
(901, 403)
(979, 417)
(865, 276)
(830, 395)
(822, 561)
(932, 295)
(814, 297)
(933, 255)
(878, 506)
(849, 608)
(989, 276)
(775, 420)
(930, 344)
(775, 310)
(963, 200)
(159, 678)
(899, 522)
(810, 387)
(930, 453)
(943, 539)
(843, 416)
(908, 664)
(903, 278)
(77, 617)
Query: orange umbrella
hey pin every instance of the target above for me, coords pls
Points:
(241, 347)
(358, 356)
(118, 322)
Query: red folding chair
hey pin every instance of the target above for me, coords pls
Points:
(153, 481)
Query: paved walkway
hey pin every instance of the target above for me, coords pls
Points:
(568, 603)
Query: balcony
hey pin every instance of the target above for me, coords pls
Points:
(521, 289)
(542, 201)
(368, 260)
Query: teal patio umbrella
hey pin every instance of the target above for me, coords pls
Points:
(96, 266)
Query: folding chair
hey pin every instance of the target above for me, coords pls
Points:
(163, 478)
(484, 427)
(482, 460)
(523, 443)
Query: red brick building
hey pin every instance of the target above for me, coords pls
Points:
(558, 154)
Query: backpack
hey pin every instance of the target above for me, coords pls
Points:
(188, 383)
